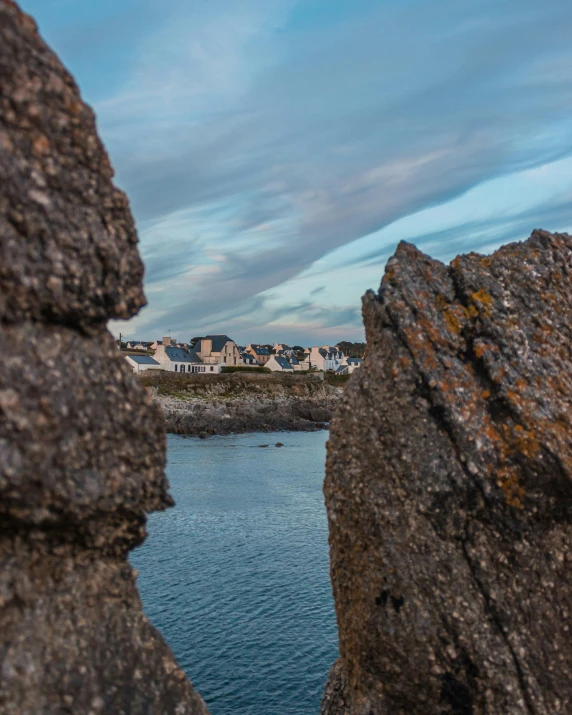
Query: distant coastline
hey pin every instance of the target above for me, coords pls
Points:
(204, 405)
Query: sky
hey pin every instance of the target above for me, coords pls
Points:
(276, 151)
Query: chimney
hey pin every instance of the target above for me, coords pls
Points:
(166, 342)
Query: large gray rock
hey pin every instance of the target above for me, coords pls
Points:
(449, 490)
(68, 251)
(82, 447)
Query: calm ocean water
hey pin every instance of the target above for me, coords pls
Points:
(236, 575)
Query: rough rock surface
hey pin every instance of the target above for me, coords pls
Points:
(81, 443)
(236, 403)
(449, 490)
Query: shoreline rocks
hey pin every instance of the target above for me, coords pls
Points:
(234, 404)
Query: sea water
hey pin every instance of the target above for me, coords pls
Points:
(235, 576)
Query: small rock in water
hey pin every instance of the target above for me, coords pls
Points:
(264, 445)
(278, 444)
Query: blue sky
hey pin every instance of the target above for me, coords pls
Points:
(275, 151)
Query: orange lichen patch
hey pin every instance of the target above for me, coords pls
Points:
(507, 480)
(453, 323)
(404, 362)
(482, 302)
(527, 444)
(480, 350)
(486, 394)
(486, 261)
(433, 333)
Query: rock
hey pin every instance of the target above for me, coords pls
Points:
(449, 491)
(335, 700)
(68, 250)
(82, 446)
(278, 444)
(195, 404)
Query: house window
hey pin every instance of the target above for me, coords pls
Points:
(212, 368)
(176, 368)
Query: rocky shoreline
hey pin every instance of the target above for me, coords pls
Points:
(235, 403)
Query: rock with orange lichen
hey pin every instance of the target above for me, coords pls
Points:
(449, 490)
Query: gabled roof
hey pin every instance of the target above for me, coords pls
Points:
(181, 355)
(218, 342)
(143, 359)
(260, 351)
(284, 364)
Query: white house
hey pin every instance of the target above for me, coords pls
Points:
(324, 358)
(285, 352)
(175, 359)
(279, 364)
(142, 363)
(348, 366)
(248, 359)
(296, 364)
(137, 345)
(217, 349)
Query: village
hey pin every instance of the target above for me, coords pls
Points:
(214, 354)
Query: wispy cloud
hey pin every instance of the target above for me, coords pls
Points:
(280, 134)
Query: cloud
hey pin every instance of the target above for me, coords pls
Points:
(282, 136)
(482, 235)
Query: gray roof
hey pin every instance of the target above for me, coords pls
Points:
(142, 359)
(354, 361)
(284, 364)
(260, 351)
(181, 355)
(219, 341)
(293, 360)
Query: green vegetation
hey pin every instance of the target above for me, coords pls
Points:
(336, 380)
(355, 350)
(244, 368)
